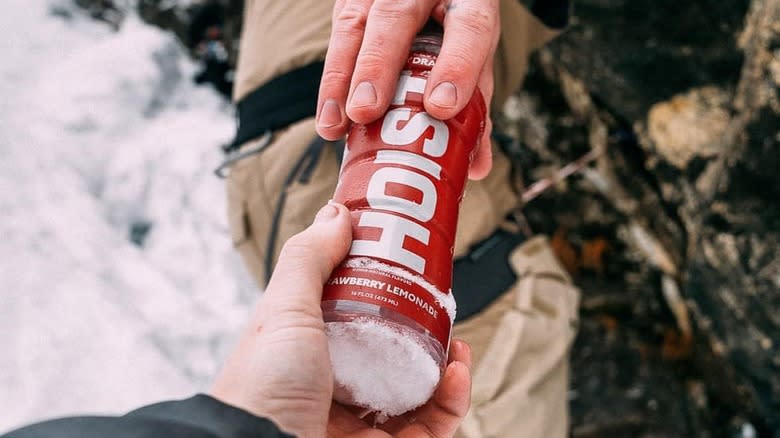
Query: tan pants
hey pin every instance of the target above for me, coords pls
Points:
(520, 342)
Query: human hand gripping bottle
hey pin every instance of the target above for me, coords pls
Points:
(387, 307)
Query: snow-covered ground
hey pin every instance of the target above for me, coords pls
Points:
(100, 130)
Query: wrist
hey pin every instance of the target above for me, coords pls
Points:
(288, 415)
(294, 419)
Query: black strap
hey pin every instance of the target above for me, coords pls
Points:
(301, 173)
(484, 274)
(277, 104)
(552, 13)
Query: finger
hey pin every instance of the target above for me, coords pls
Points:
(483, 158)
(349, 23)
(442, 415)
(307, 260)
(342, 421)
(390, 29)
(470, 33)
(460, 351)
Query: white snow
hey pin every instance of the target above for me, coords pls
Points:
(100, 130)
(379, 367)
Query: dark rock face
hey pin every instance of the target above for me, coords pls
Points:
(699, 84)
(633, 53)
(674, 232)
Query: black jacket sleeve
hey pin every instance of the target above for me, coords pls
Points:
(197, 417)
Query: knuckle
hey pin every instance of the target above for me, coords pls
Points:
(479, 21)
(297, 250)
(395, 9)
(372, 65)
(352, 17)
(462, 59)
(459, 64)
(333, 76)
(372, 59)
(306, 316)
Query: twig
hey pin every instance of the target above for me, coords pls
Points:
(564, 172)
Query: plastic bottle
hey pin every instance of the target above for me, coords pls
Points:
(388, 305)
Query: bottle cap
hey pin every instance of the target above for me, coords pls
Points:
(430, 38)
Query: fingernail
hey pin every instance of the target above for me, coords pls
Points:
(326, 213)
(445, 95)
(330, 115)
(364, 95)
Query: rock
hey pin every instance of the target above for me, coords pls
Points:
(689, 125)
(703, 100)
(635, 53)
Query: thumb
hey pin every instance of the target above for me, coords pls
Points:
(308, 258)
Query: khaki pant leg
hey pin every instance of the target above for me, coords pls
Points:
(520, 346)
(521, 34)
(279, 36)
(255, 184)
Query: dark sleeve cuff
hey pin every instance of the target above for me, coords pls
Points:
(210, 415)
(197, 417)
(553, 13)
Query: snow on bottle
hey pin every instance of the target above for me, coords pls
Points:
(388, 308)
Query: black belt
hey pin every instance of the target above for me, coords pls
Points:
(479, 278)
(484, 274)
(277, 104)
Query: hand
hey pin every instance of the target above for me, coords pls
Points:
(440, 417)
(368, 47)
(281, 367)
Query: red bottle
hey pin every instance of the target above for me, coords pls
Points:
(402, 179)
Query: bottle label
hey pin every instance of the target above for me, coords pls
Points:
(383, 289)
(402, 179)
